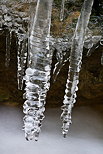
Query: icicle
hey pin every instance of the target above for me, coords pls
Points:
(102, 59)
(62, 46)
(62, 10)
(21, 59)
(31, 16)
(38, 72)
(60, 63)
(75, 65)
(1, 20)
(8, 44)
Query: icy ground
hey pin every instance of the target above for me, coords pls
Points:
(85, 135)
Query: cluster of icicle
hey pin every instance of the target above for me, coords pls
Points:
(13, 22)
(63, 47)
(38, 71)
(38, 58)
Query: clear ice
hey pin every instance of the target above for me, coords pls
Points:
(75, 65)
(12, 21)
(35, 51)
(38, 72)
(21, 59)
(63, 46)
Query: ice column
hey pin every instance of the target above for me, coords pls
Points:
(38, 72)
(75, 65)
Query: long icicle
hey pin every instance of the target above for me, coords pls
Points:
(21, 59)
(38, 72)
(75, 65)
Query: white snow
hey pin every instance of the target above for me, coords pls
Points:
(85, 135)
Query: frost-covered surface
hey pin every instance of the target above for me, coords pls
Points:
(85, 136)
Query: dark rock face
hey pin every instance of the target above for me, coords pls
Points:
(91, 77)
(8, 79)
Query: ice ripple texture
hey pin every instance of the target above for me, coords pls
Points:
(75, 65)
(38, 59)
(38, 72)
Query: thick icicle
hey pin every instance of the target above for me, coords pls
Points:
(38, 72)
(75, 65)
(62, 10)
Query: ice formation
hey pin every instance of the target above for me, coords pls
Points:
(13, 21)
(75, 65)
(63, 46)
(38, 72)
(35, 51)
(21, 59)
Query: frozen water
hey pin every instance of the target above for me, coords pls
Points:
(39, 56)
(63, 46)
(39, 65)
(75, 65)
(21, 59)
